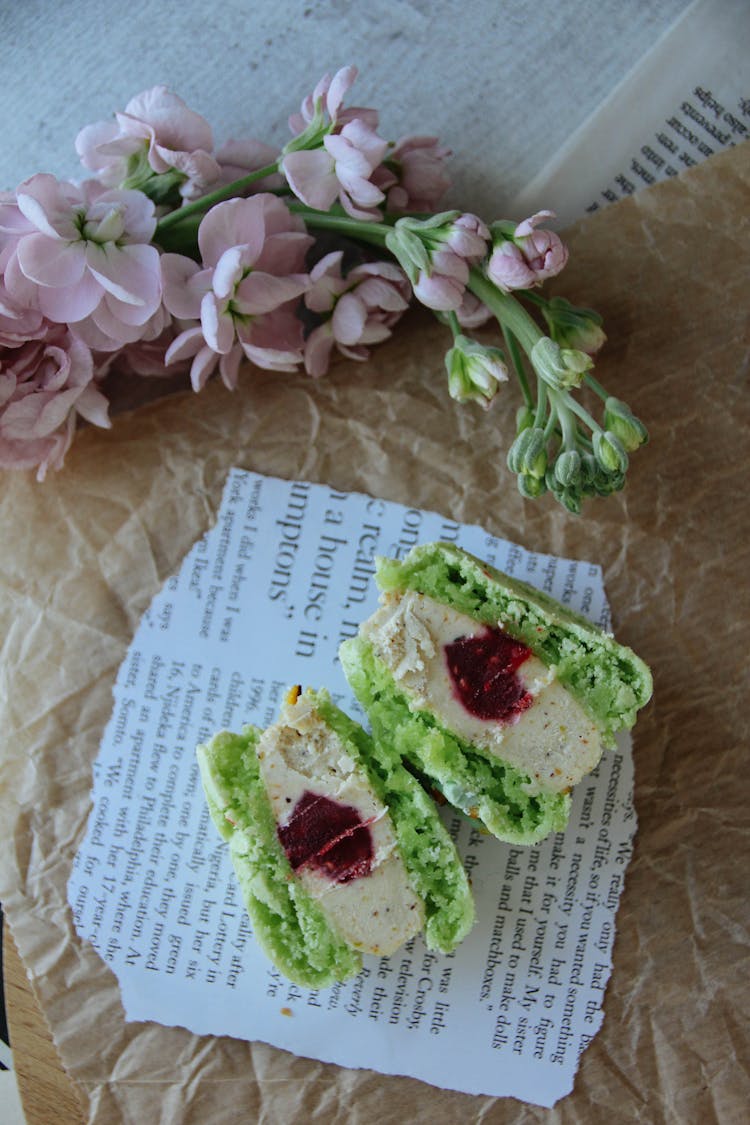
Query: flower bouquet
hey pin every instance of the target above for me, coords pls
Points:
(173, 256)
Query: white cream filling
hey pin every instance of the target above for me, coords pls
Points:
(378, 912)
(554, 741)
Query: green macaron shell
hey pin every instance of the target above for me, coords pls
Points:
(606, 678)
(287, 923)
(485, 788)
(429, 855)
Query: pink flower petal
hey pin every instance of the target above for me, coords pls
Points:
(43, 202)
(381, 294)
(237, 222)
(349, 318)
(341, 82)
(527, 226)
(109, 320)
(359, 353)
(202, 366)
(183, 291)
(439, 292)
(284, 253)
(359, 134)
(374, 332)
(185, 346)
(218, 327)
(229, 366)
(228, 272)
(272, 359)
(262, 292)
(94, 407)
(311, 177)
(130, 273)
(175, 124)
(373, 216)
(73, 303)
(51, 262)
(88, 141)
(318, 348)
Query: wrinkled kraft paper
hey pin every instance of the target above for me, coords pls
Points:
(84, 554)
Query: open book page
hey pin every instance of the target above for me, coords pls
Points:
(688, 98)
(262, 602)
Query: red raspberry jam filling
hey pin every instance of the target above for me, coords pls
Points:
(483, 672)
(328, 837)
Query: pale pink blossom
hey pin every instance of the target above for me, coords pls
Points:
(341, 170)
(359, 309)
(413, 175)
(155, 126)
(526, 256)
(459, 244)
(44, 386)
(83, 256)
(326, 100)
(242, 297)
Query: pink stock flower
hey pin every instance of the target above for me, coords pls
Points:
(244, 297)
(335, 151)
(360, 309)
(413, 176)
(82, 255)
(341, 169)
(327, 99)
(158, 128)
(526, 256)
(462, 243)
(44, 385)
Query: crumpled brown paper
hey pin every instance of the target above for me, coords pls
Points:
(84, 553)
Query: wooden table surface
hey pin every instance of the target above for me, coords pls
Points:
(47, 1093)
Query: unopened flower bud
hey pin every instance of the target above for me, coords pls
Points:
(561, 368)
(523, 256)
(571, 327)
(568, 468)
(474, 371)
(620, 420)
(610, 452)
(528, 453)
(530, 486)
(569, 497)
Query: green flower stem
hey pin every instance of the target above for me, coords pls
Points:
(552, 421)
(596, 386)
(582, 413)
(567, 422)
(509, 312)
(541, 407)
(517, 360)
(374, 233)
(533, 298)
(218, 196)
(454, 326)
